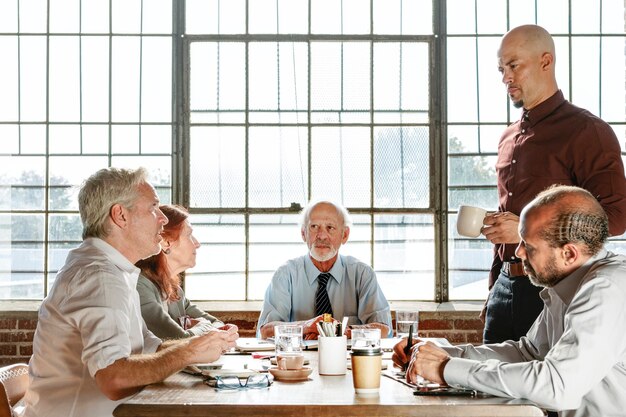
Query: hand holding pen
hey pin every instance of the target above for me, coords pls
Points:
(407, 348)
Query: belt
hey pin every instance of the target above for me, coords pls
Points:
(513, 269)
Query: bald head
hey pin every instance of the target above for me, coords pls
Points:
(531, 38)
(526, 59)
(568, 214)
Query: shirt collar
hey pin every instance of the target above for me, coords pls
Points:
(312, 272)
(567, 288)
(113, 254)
(544, 109)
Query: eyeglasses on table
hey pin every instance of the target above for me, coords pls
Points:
(233, 382)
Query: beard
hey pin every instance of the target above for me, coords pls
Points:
(517, 104)
(548, 278)
(322, 257)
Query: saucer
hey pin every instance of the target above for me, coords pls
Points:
(291, 374)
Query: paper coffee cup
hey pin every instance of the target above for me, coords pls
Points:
(366, 367)
(332, 355)
(469, 221)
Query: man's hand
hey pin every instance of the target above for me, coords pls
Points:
(229, 327)
(209, 347)
(309, 327)
(428, 361)
(400, 359)
(501, 227)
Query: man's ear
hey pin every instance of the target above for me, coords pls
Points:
(547, 60)
(346, 234)
(303, 233)
(118, 215)
(570, 253)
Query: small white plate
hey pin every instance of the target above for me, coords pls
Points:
(291, 374)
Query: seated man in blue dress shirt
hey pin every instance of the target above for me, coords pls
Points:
(573, 358)
(323, 281)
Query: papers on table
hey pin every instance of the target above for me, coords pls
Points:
(251, 344)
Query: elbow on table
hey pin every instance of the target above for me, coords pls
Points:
(113, 386)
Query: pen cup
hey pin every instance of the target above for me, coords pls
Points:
(366, 367)
(332, 355)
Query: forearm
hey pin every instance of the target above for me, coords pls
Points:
(127, 376)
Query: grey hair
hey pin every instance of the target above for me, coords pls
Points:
(101, 191)
(578, 218)
(305, 214)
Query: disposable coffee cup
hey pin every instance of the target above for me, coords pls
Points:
(469, 221)
(332, 355)
(366, 367)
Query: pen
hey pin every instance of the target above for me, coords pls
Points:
(409, 342)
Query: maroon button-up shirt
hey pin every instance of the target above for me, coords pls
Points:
(558, 143)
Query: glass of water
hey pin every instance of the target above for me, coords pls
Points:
(288, 341)
(404, 320)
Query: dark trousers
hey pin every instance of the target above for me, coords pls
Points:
(513, 306)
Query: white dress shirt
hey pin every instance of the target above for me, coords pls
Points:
(90, 319)
(573, 359)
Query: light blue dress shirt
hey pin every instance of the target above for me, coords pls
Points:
(353, 292)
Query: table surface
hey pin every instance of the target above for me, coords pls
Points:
(321, 396)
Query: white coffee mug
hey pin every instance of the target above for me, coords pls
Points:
(469, 221)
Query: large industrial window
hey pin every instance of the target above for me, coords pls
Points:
(243, 110)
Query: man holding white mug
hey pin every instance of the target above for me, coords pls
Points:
(554, 142)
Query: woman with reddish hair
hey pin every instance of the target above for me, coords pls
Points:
(164, 307)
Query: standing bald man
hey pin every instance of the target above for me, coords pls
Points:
(554, 142)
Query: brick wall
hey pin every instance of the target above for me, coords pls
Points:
(18, 327)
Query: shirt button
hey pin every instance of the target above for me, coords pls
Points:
(514, 161)
(510, 193)
(512, 258)
(523, 130)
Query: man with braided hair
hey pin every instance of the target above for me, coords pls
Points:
(573, 358)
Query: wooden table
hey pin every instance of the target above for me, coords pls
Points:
(319, 396)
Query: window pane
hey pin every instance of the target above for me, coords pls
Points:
(95, 16)
(64, 139)
(340, 17)
(278, 84)
(64, 16)
(491, 17)
(8, 17)
(126, 16)
(33, 16)
(462, 54)
(586, 16)
(217, 171)
(461, 17)
(340, 165)
(403, 17)
(217, 76)
(9, 78)
(33, 80)
(291, 16)
(274, 239)
(585, 73)
(157, 16)
(156, 80)
(469, 260)
(613, 94)
(401, 72)
(401, 167)
(404, 256)
(552, 15)
(64, 79)
(125, 78)
(219, 273)
(215, 16)
(278, 166)
(94, 73)
(340, 76)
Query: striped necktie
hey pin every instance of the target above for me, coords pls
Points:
(322, 302)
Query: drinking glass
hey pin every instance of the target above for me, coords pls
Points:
(288, 341)
(404, 320)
